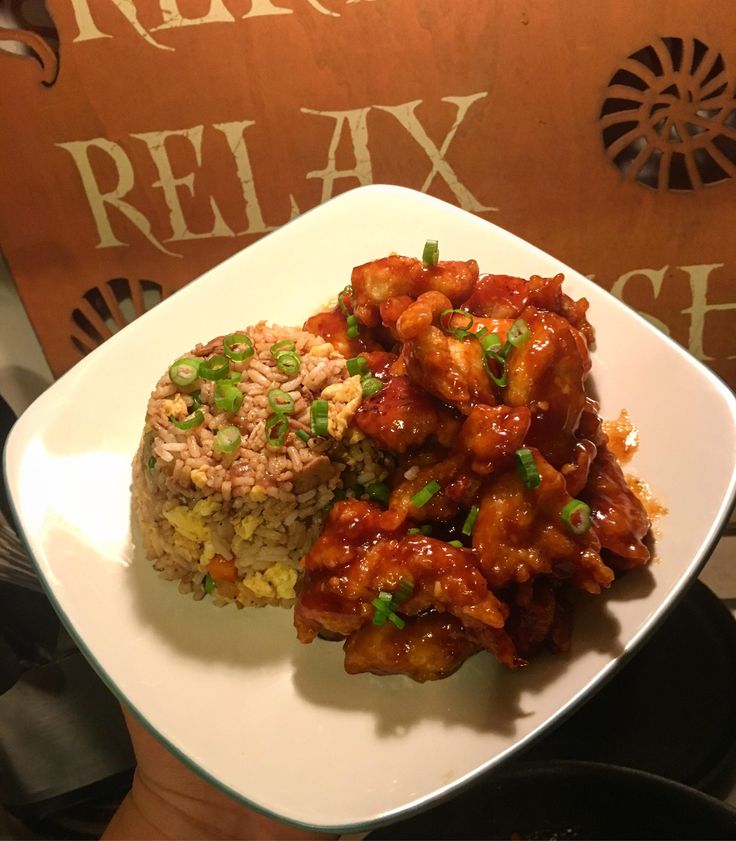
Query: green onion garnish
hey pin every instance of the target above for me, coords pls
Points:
(456, 544)
(235, 376)
(341, 299)
(527, 469)
(371, 385)
(470, 520)
(379, 492)
(499, 379)
(519, 333)
(357, 365)
(227, 439)
(431, 253)
(489, 341)
(303, 434)
(353, 327)
(190, 422)
(425, 530)
(151, 463)
(215, 368)
(280, 401)
(403, 591)
(277, 428)
(318, 413)
(196, 401)
(184, 371)
(427, 492)
(209, 584)
(229, 343)
(228, 397)
(288, 362)
(282, 347)
(576, 516)
(385, 604)
(448, 316)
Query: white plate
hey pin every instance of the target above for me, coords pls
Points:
(277, 723)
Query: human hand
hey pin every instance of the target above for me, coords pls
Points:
(170, 801)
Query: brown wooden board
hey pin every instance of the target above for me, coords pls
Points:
(176, 132)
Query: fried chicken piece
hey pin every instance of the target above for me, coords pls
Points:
(430, 647)
(504, 296)
(491, 434)
(540, 616)
(375, 283)
(519, 534)
(451, 370)
(548, 374)
(619, 518)
(331, 325)
(402, 416)
(363, 551)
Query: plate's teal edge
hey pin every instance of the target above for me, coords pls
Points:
(709, 543)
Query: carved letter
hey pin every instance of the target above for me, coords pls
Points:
(88, 30)
(156, 142)
(656, 278)
(408, 119)
(700, 307)
(358, 129)
(261, 8)
(236, 141)
(79, 150)
(217, 13)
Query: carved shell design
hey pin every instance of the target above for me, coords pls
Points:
(669, 118)
(105, 309)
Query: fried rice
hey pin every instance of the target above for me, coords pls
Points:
(235, 524)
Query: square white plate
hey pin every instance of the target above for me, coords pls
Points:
(280, 724)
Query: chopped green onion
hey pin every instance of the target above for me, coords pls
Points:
(371, 386)
(283, 346)
(227, 439)
(431, 253)
(519, 333)
(215, 368)
(403, 591)
(341, 299)
(396, 620)
(500, 379)
(576, 516)
(425, 530)
(489, 341)
(235, 376)
(527, 469)
(427, 492)
(189, 422)
(228, 397)
(151, 463)
(303, 434)
(384, 605)
(229, 343)
(288, 362)
(353, 327)
(456, 544)
(318, 413)
(470, 520)
(280, 401)
(277, 428)
(184, 372)
(379, 492)
(357, 365)
(448, 316)
(209, 584)
(196, 401)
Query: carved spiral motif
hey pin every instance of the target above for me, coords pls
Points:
(669, 119)
(107, 308)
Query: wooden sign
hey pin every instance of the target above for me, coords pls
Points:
(169, 134)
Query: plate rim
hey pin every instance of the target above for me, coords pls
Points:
(13, 448)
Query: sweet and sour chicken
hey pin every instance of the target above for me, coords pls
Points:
(505, 498)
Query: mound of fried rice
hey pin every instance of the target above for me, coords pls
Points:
(253, 512)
